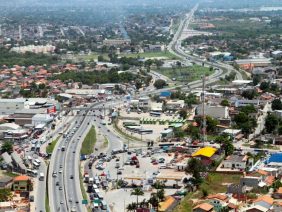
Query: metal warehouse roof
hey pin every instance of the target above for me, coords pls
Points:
(206, 152)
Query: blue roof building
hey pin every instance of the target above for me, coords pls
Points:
(165, 94)
(275, 158)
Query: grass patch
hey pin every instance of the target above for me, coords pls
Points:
(214, 183)
(92, 56)
(10, 174)
(106, 142)
(186, 74)
(51, 146)
(89, 142)
(47, 206)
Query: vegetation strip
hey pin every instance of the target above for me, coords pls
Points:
(89, 142)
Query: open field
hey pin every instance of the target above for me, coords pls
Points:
(186, 74)
(215, 183)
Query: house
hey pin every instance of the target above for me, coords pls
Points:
(218, 201)
(174, 104)
(248, 64)
(22, 183)
(277, 194)
(255, 208)
(203, 207)
(264, 201)
(214, 111)
(205, 154)
(235, 162)
(165, 95)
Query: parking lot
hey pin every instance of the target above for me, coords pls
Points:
(131, 169)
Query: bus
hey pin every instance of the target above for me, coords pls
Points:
(41, 176)
(156, 114)
(145, 131)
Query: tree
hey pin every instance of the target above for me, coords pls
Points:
(271, 123)
(154, 201)
(195, 167)
(159, 83)
(228, 148)
(264, 86)
(100, 58)
(131, 207)
(225, 103)
(137, 192)
(5, 195)
(211, 124)
(205, 192)
(276, 104)
(248, 109)
(183, 113)
(249, 94)
(7, 147)
(256, 80)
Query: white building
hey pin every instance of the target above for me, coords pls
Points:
(214, 111)
(175, 104)
(39, 119)
(235, 162)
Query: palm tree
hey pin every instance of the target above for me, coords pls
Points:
(154, 201)
(131, 207)
(137, 192)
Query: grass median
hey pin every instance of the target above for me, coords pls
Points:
(88, 144)
(51, 146)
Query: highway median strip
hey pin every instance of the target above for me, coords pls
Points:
(51, 146)
(88, 143)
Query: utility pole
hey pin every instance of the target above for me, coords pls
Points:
(203, 110)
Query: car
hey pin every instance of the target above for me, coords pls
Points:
(60, 188)
(71, 177)
(121, 168)
(76, 202)
(61, 171)
(57, 184)
(155, 163)
(54, 174)
(119, 172)
(61, 202)
(117, 159)
(61, 166)
(73, 152)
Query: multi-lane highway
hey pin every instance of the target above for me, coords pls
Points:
(176, 48)
(64, 188)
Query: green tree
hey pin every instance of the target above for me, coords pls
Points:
(183, 113)
(7, 147)
(276, 104)
(225, 103)
(131, 207)
(101, 58)
(264, 86)
(195, 167)
(211, 124)
(228, 148)
(256, 80)
(271, 123)
(154, 201)
(159, 83)
(137, 192)
(5, 195)
(205, 192)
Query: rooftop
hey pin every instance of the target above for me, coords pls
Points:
(21, 178)
(204, 206)
(206, 152)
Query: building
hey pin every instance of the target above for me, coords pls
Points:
(174, 104)
(116, 42)
(235, 162)
(205, 154)
(143, 103)
(39, 119)
(248, 64)
(264, 201)
(203, 207)
(22, 183)
(9, 106)
(276, 54)
(214, 111)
